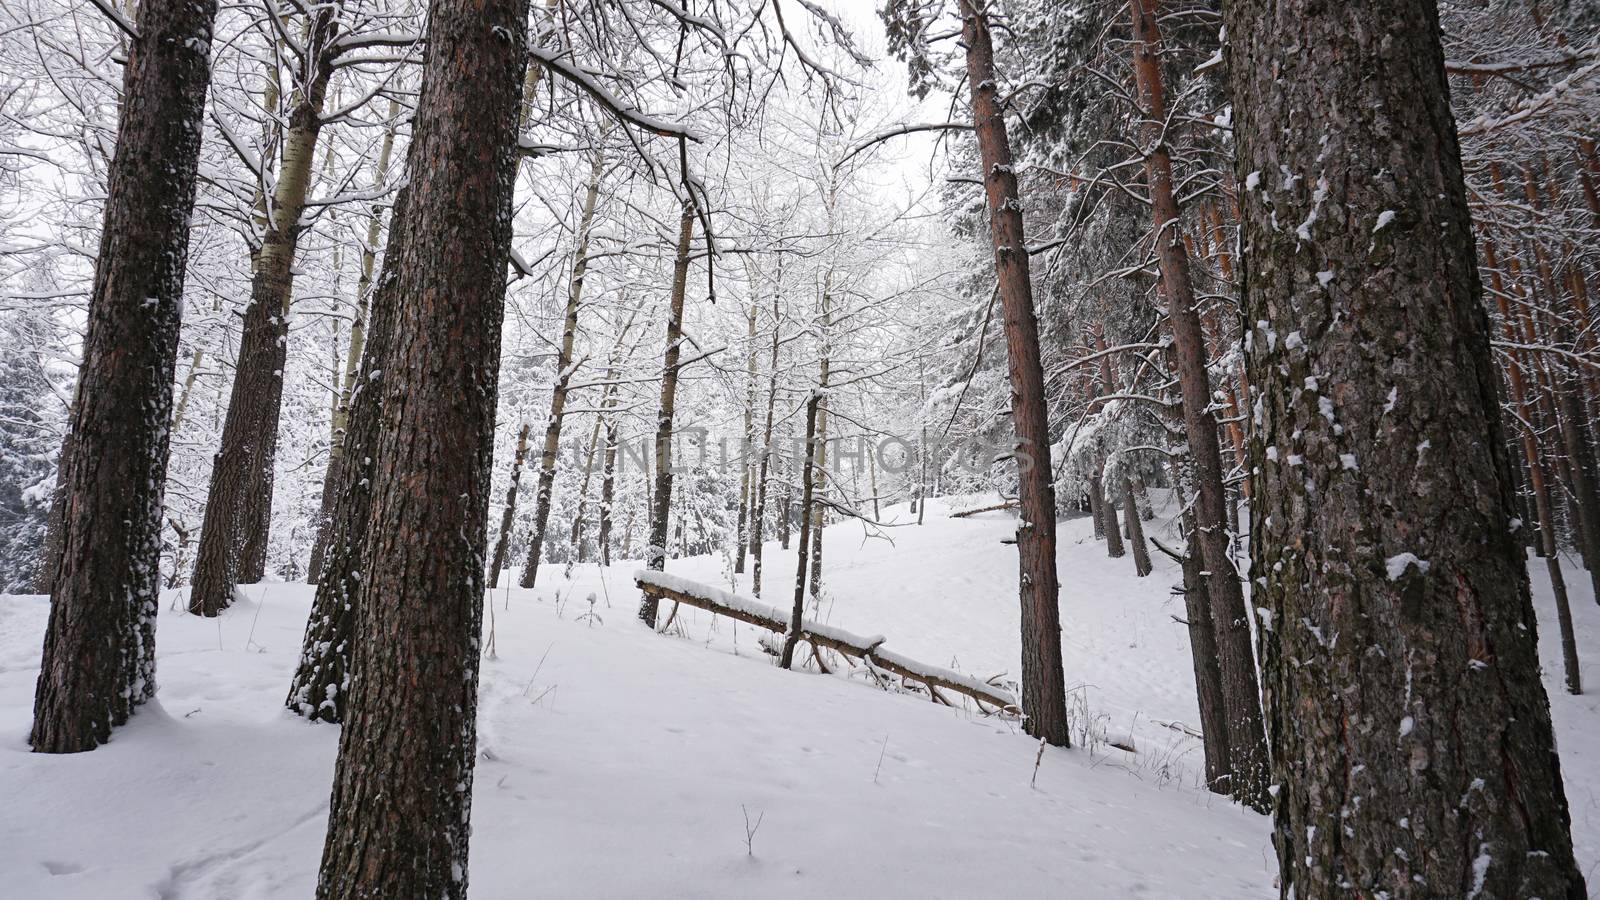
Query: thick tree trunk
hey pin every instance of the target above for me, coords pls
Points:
(55, 521)
(807, 485)
(1044, 700)
(1412, 736)
(320, 686)
(233, 535)
(399, 817)
(558, 392)
(1246, 736)
(353, 358)
(99, 645)
(661, 501)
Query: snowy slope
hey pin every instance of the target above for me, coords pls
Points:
(617, 763)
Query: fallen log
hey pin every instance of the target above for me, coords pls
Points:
(870, 650)
(1007, 504)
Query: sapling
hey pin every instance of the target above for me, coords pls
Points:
(750, 830)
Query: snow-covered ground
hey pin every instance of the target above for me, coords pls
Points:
(618, 763)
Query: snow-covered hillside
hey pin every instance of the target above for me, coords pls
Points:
(618, 763)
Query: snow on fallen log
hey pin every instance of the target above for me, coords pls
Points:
(1008, 504)
(867, 648)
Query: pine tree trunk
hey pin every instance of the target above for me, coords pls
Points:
(1413, 750)
(399, 817)
(1130, 514)
(233, 535)
(1044, 699)
(1246, 735)
(353, 359)
(1096, 497)
(558, 393)
(661, 501)
(1207, 674)
(320, 686)
(99, 645)
(1538, 477)
(1113, 528)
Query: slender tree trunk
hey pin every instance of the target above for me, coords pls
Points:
(608, 492)
(1207, 674)
(99, 645)
(1096, 497)
(510, 512)
(558, 392)
(399, 818)
(1113, 528)
(233, 535)
(579, 517)
(661, 502)
(1246, 736)
(1413, 746)
(1130, 514)
(807, 484)
(758, 518)
(1538, 477)
(785, 512)
(813, 508)
(1044, 698)
(746, 494)
(352, 360)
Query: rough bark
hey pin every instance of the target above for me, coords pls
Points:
(233, 534)
(99, 645)
(1043, 685)
(661, 500)
(320, 686)
(353, 357)
(1207, 674)
(558, 391)
(1246, 735)
(1412, 740)
(1130, 513)
(1113, 528)
(399, 817)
